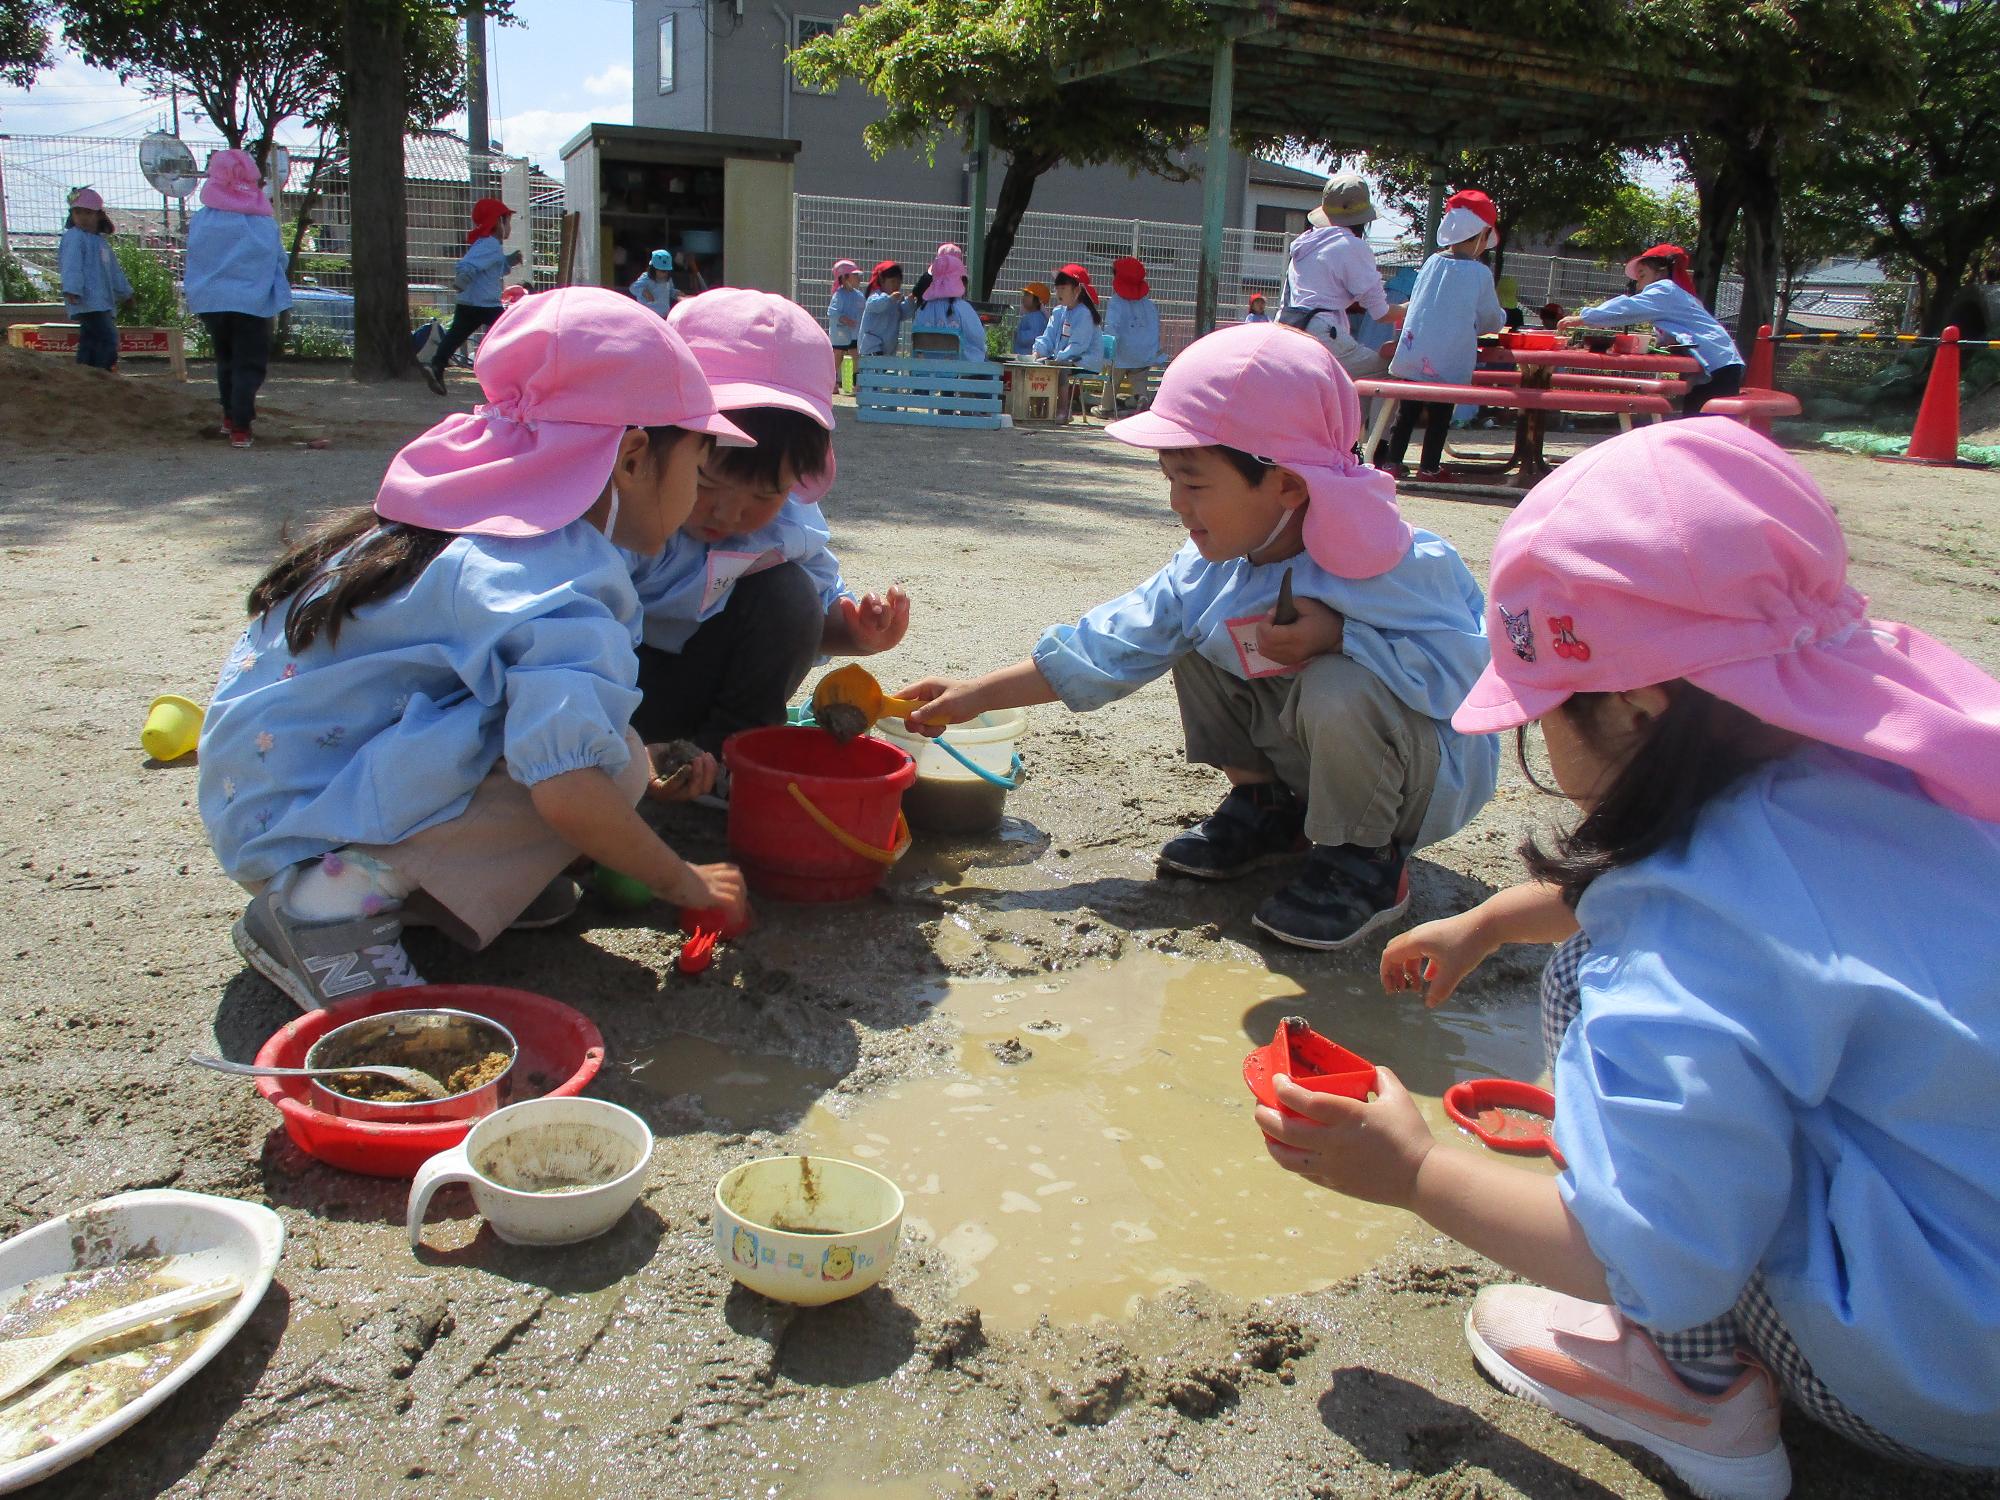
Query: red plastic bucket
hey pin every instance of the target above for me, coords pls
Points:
(811, 819)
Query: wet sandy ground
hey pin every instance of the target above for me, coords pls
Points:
(1333, 1366)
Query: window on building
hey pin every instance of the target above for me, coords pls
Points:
(667, 54)
(1276, 218)
(805, 29)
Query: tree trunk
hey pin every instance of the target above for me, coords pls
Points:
(1756, 171)
(1719, 197)
(376, 111)
(1017, 188)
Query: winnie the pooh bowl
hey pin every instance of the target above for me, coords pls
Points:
(806, 1229)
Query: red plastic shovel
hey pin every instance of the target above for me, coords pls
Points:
(1310, 1061)
(1480, 1106)
(705, 927)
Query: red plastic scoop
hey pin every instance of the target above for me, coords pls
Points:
(1481, 1106)
(705, 927)
(1310, 1061)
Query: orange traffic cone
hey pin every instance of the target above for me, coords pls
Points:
(1934, 440)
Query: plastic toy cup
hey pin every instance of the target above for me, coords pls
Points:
(1310, 1061)
(1480, 1107)
(173, 725)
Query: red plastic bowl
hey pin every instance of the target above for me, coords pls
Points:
(1309, 1060)
(561, 1051)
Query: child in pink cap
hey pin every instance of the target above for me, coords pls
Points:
(1774, 1020)
(748, 593)
(93, 283)
(942, 305)
(236, 283)
(1331, 730)
(843, 311)
(429, 715)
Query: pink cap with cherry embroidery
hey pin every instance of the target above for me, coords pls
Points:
(1699, 550)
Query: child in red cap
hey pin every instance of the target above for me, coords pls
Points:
(1132, 319)
(1072, 336)
(480, 276)
(1452, 304)
(1665, 298)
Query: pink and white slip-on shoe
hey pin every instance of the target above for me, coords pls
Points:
(1586, 1363)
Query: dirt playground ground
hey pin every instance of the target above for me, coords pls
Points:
(1289, 1346)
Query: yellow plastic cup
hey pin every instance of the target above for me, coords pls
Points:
(173, 724)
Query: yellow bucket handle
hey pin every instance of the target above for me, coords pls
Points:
(847, 840)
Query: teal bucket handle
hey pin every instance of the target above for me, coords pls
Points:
(1007, 783)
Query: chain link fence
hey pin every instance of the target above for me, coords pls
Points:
(443, 177)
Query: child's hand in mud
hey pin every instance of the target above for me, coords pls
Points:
(1435, 957)
(875, 622)
(681, 772)
(945, 703)
(716, 887)
(1316, 632)
(1369, 1149)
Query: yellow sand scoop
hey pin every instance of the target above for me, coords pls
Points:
(848, 702)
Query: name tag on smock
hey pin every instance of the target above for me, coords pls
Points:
(1243, 633)
(724, 568)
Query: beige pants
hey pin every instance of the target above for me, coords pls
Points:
(1138, 379)
(1365, 761)
(1351, 355)
(476, 873)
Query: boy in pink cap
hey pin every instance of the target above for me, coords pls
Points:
(428, 717)
(748, 593)
(1331, 730)
(1774, 1020)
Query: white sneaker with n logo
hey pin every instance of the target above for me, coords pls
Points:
(317, 963)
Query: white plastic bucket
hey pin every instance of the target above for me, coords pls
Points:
(949, 796)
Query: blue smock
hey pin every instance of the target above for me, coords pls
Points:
(1135, 324)
(1072, 338)
(236, 264)
(843, 316)
(690, 581)
(481, 273)
(658, 295)
(1027, 330)
(955, 315)
(882, 323)
(1787, 1060)
(1420, 628)
(90, 272)
(504, 646)
(1452, 304)
(1677, 313)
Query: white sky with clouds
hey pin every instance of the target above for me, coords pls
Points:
(568, 64)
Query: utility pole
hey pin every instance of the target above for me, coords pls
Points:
(478, 128)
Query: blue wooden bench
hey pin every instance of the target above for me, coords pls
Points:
(923, 391)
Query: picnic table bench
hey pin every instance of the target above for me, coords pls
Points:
(1755, 408)
(1527, 464)
(1637, 385)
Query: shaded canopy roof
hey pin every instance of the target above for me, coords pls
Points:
(1348, 77)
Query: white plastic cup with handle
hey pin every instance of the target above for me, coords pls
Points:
(543, 1172)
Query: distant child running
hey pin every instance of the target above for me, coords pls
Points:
(1330, 729)
(843, 312)
(883, 313)
(481, 271)
(236, 282)
(1072, 337)
(1452, 304)
(1035, 299)
(655, 287)
(428, 718)
(944, 308)
(1132, 318)
(1665, 298)
(747, 594)
(1774, 1020)
(93, 283)
(1331, 271)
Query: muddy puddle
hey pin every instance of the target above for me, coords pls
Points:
(1093, 1142)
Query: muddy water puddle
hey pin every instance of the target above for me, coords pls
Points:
(1094, 1143)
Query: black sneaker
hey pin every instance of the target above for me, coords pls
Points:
(434, 378)
(1253, 826)
(1344, 893)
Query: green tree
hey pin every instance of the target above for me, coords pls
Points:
(1781, 61)
(1635, 217)
(1535, 189)
(1924, 181)
(24, 40)
(1817, 225)
(155, 303)
(932, 61)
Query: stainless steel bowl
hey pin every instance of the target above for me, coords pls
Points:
(413, 1039)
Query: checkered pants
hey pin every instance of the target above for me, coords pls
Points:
(1753, 1323)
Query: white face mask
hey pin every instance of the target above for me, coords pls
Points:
(1276, 532)
(611, 516)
